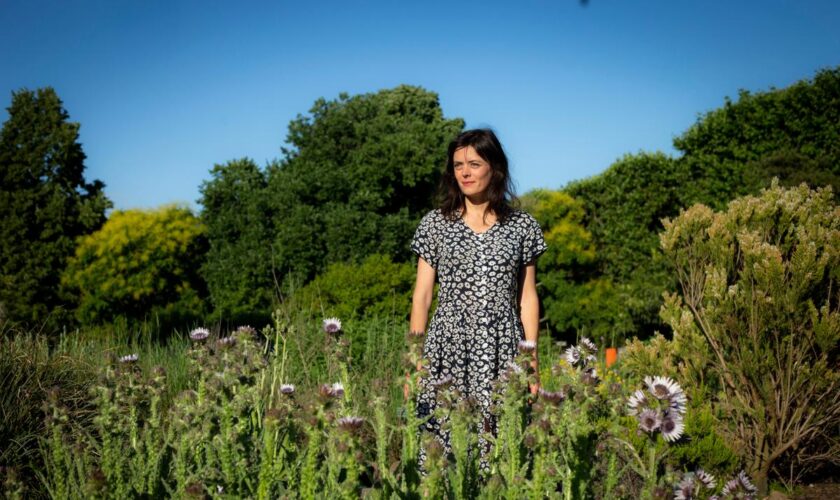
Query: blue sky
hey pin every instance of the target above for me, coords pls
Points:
(166, 89)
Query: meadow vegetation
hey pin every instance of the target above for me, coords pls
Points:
(717, 269)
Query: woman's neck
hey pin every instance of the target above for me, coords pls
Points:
(476, 205)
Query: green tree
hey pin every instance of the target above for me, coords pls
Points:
(45, 203)
(791, 133)
(375, 287)
(142, 264)
(576, 299)
(238, 266)
(358, 175)
(759, 283)
(624, 207)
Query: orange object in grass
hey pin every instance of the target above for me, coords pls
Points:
(611, 355)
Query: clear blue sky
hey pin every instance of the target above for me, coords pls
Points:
(166, 89)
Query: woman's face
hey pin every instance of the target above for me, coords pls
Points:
(472, 172)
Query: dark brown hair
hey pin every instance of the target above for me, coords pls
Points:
(499, 192)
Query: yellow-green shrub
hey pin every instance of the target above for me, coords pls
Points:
(376, 287)
(140, 264)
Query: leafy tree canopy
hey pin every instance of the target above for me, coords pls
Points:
(45, 203)
(358, 174)
(791, 133)
(624, 207)
(141, 264)
(238, 265)
(575, 298)
(375, 287)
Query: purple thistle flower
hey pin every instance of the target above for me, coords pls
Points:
(671, 426)
(677, 401)
(554, 397)
(513, 367)
(740, 487)
(588, 344)
(637, 401)
(129, 358)
(350, 424)
(199, 334)
(246, 330)
(527, 346)
(662, 387)
(706, 479)
(337, 390)
(442, 383)
(572, 355)
(649, 420)
(589, 376)
(287, 389)
(332, 326)
(226, 341)
(685, 489)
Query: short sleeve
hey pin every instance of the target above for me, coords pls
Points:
(533, 243)
(424, 242)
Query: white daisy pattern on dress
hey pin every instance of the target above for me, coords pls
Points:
(475, 330)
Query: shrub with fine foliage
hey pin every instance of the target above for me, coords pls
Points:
(759, 282)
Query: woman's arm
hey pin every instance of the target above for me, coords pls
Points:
(424, 287)
(529, 311)
(421, 300)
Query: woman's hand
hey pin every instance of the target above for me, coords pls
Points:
(535, 365)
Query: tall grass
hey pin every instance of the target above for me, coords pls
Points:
(219, 418)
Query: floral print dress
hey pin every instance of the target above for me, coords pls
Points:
(476, 327)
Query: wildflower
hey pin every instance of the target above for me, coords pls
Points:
(337, 390)
(129, 358)
(199, 334)
(442, 383)
(226, 341)
(706, 479)
(350, 424)
(287, 389)
(649, 420)
(589, 344)
(692, 483)
(245, 330)
(589, 376)
(554, 397)
(672, 426)
(662, 387)
(572, 355)
(332, 326)
(685, 489)
(590, 359)
(637, 401)
(739, 487)
(325, 390)
(513, 367)
(677, 401)
(527, 346)
(220, 489)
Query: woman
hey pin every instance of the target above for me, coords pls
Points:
(482, 251)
